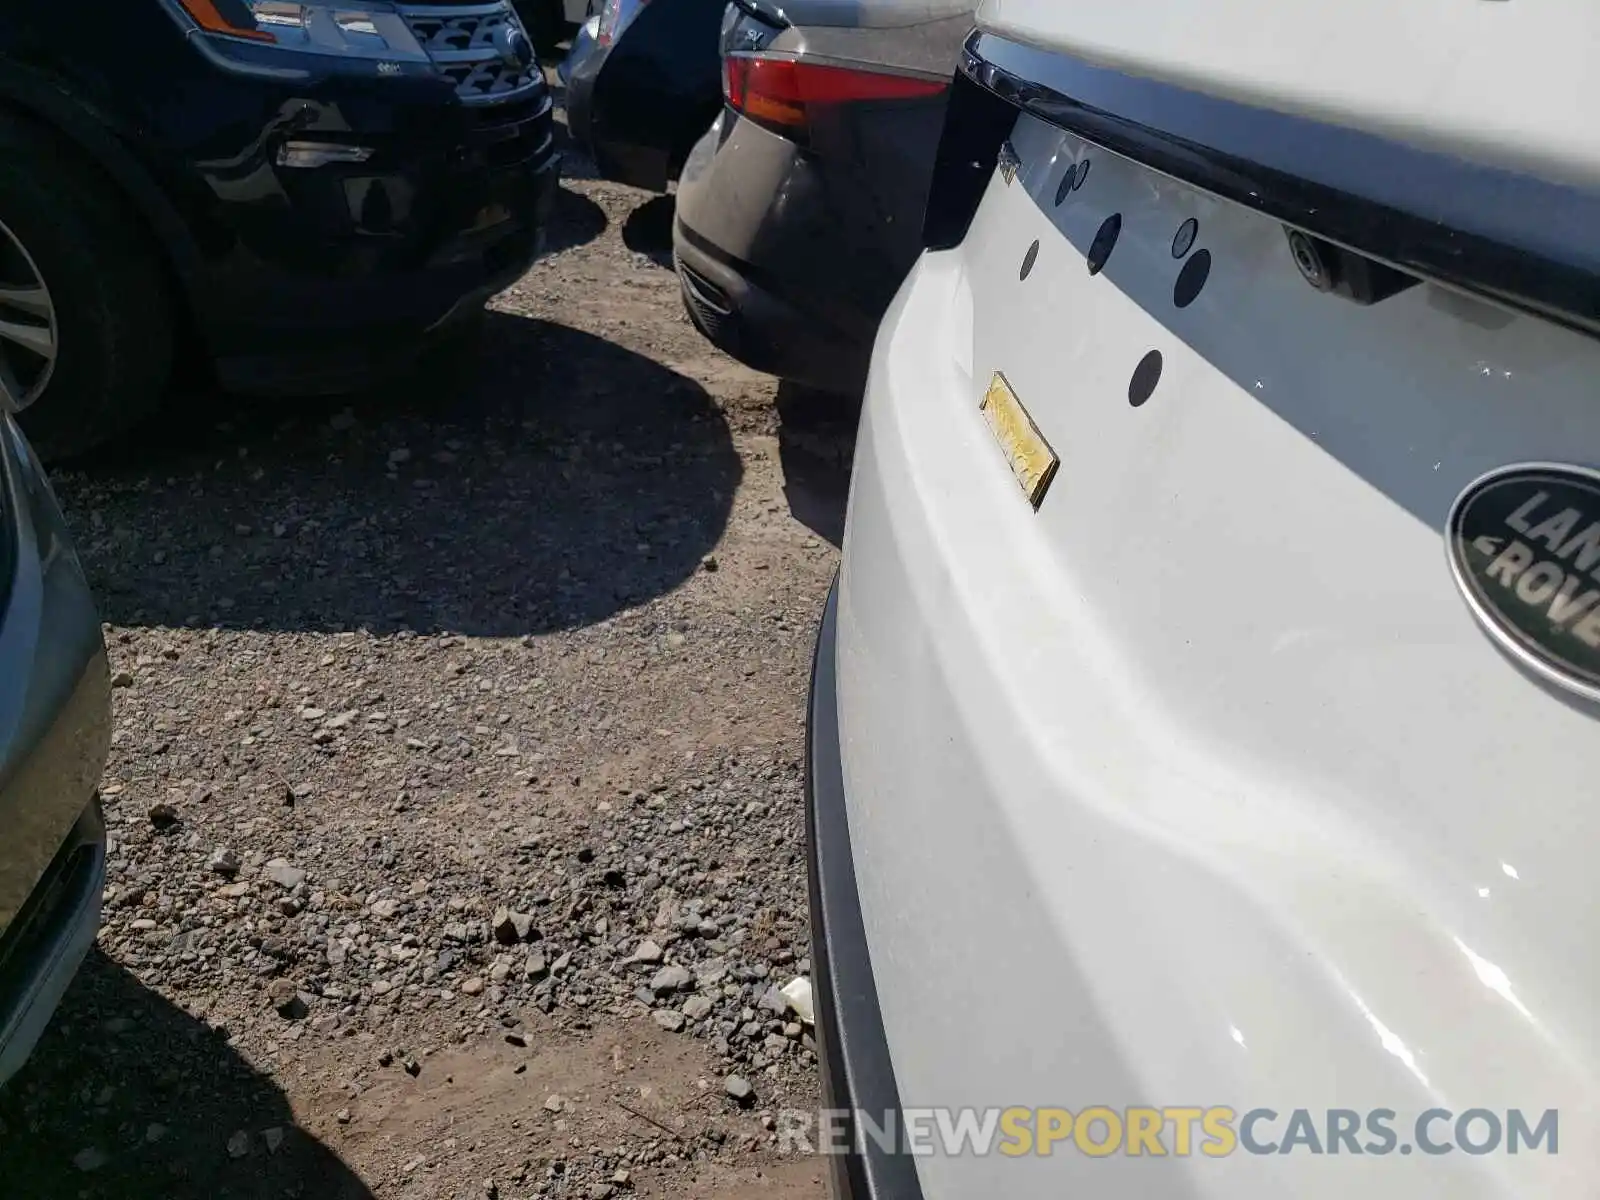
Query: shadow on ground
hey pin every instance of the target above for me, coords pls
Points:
(544, 480)
(131, 1098)
(648, 229)
(576, 221)
(816, 443)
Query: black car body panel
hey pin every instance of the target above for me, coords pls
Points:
(293, 278)
(789, 253)
(639, 105)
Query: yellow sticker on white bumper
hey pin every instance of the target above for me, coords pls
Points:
(1029, 455)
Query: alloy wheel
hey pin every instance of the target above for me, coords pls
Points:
(28, 331)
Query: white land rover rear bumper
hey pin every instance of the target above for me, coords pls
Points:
(1200, 785)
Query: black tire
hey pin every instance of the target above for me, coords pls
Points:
(113, 312)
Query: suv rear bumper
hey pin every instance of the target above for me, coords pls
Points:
(857, 1074)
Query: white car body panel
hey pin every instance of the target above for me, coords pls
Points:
(1200, 785)
(1497, 81)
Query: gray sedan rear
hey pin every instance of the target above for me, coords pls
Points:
(800, 212)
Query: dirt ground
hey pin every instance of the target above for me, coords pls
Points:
(455, 795)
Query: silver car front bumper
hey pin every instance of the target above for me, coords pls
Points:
(55, 726)
(50, 941)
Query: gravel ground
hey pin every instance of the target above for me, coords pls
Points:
(455, 791)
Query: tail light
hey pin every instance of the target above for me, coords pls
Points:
(615, 16)
(782, 93)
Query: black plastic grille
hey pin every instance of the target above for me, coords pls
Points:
(481, 48)
(708, 306)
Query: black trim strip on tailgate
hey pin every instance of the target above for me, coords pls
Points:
(1524, 241)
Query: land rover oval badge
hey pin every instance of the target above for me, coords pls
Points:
(1524, 544)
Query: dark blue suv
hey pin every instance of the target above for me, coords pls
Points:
(298, 193)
